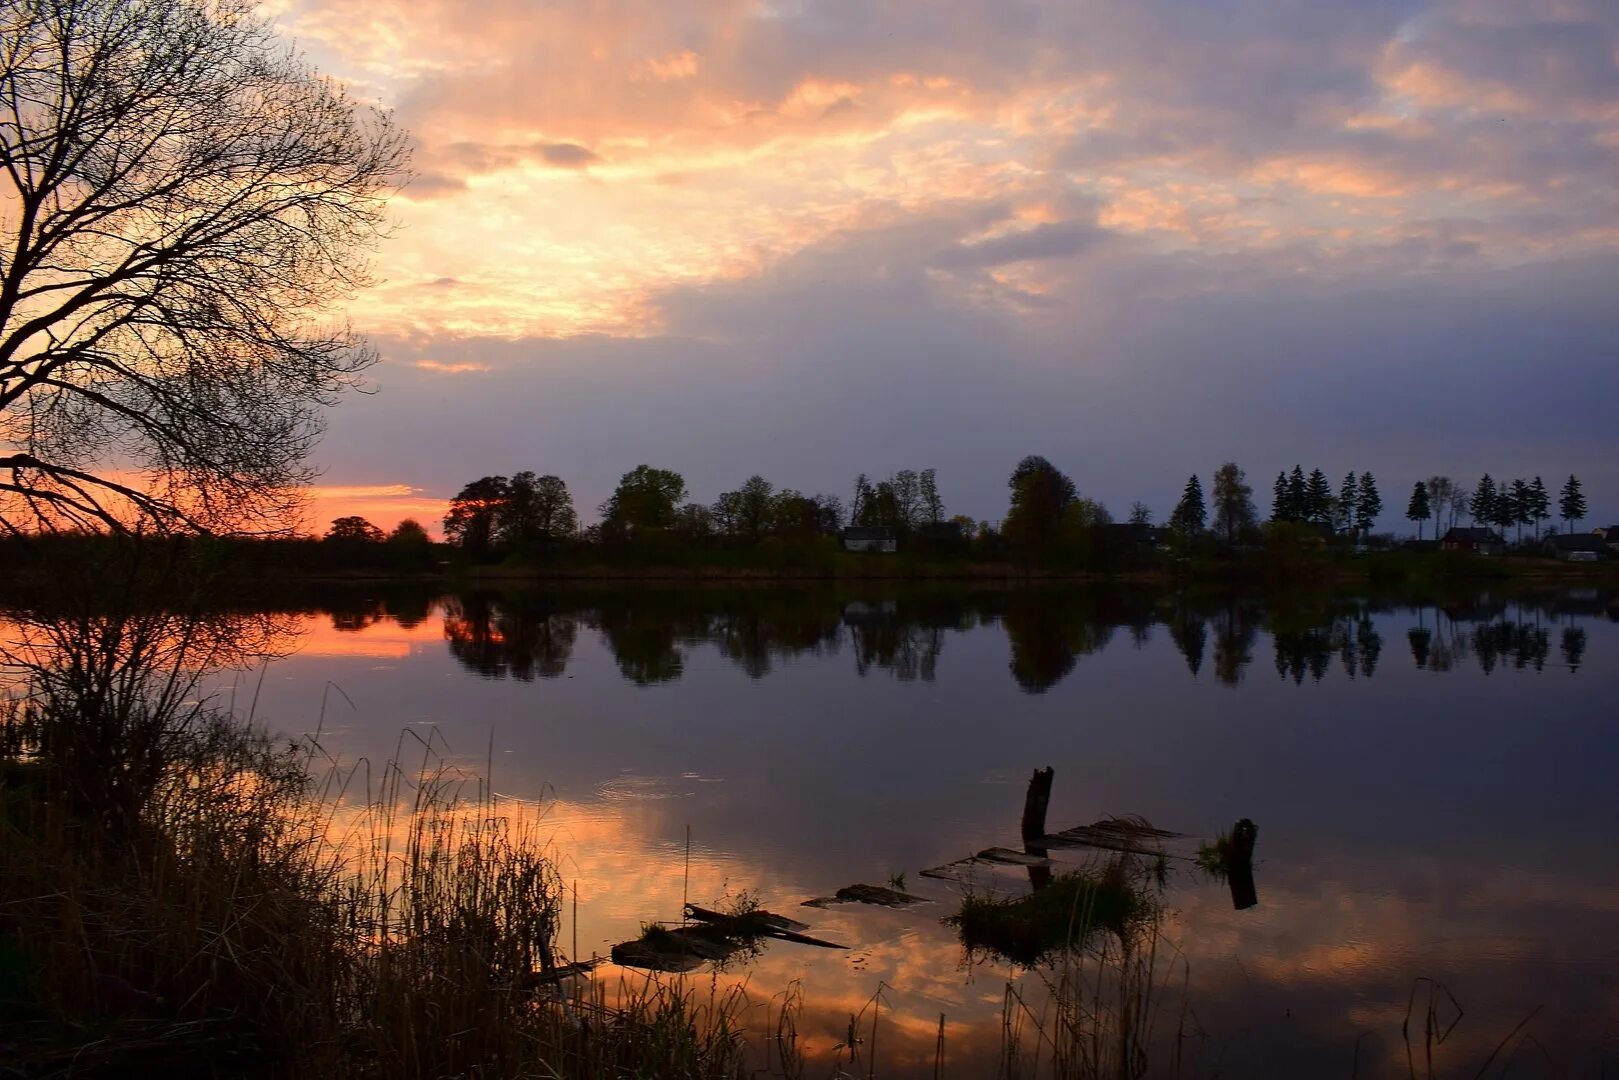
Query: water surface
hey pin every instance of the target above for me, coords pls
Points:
(1434, 786)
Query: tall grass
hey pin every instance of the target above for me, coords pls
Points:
(181, 892)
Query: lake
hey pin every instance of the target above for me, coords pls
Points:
(1435, 786)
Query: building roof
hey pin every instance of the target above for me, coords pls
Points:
(867, 532)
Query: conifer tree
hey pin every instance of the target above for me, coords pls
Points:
(1482, 505)
(1318, 499)
(1279, 508)
(1522, 506)
(1571, 506)
(1540, 504)
(1296, 493)
(1506, 508)
(1344, 515)
(1419, 509)
(1190, 513)
(1368, 503)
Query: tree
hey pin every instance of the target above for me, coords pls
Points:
(1419, 509)
(470, 523)
(1140, 513)
(1368, 504)
(907, 489)
(932, 505)
(646, 498)
(1441, 492)
(1540, 504)
(1522, 506)
(409, 532)
(1281, 508)
(1233, 502)
(1297, 494)
(1318, 502)
(354, 530)
(1571, 504)
(1041, 495)
(183, 199)
(1482, 505)
(1343, 507)
(746, 512)
(860, 500)
(1190, 514)
(536, 508)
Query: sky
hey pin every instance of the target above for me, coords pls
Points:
(813, 238)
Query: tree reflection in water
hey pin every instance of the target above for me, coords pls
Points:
(650, 632)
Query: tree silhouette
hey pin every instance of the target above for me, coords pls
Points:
(409, 531)
(1483, 504)
(1190, 514)
(354, 530)
(184, 199)
(1571, 505)
(536, 508)
(1318, 501)
(1441, 492)
(1368, 503)
(1343, 509)
(645, 499)
(1540, 504)
(1418, 508)
(470, 523)
(1233, 502)
(1041, 495)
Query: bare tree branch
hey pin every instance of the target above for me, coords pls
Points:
(181, 200)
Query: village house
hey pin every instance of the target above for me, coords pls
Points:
(869, 538)
(1479, 541)
(1576, 547)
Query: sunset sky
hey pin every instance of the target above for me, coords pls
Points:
(809, 239)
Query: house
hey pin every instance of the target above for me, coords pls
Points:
(1478, 541)
(867, 538)
(1610, 536)
(1576, 547)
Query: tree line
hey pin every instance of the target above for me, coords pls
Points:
(1046, 513)
(1505, 505)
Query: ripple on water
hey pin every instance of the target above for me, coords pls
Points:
(640, 788)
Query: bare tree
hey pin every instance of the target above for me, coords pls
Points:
(181, 198)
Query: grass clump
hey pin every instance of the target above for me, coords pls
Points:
(1059, 917)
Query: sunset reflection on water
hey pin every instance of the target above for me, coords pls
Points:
(1416, 820)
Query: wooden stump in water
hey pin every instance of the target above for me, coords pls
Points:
(1034, 823)
(1240, 865)
(1035, 803)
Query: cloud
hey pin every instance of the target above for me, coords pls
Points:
(566, 155)
(732, 226)
(450, 367)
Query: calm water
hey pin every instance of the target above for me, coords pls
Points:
(1436, 788)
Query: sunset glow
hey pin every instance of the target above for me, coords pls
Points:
(603, 188)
